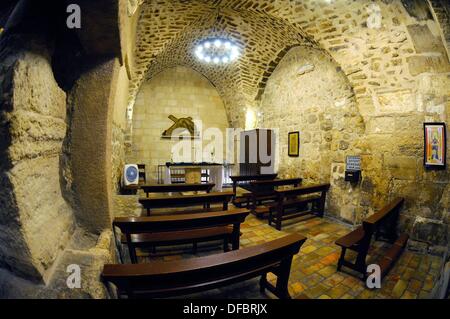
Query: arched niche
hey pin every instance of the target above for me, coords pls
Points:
(308, 92)
(179, 91)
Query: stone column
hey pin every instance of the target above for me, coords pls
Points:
(92, 101)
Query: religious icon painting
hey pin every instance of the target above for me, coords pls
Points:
(294, 144)
(435, 145)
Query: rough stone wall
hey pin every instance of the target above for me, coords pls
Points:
(92, 101)
(118, 153)
(394, 58)
(86, 250)
(180, 92)
(309, 93)
(36, 222)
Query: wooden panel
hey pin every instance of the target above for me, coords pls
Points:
(185, 200)
(167, 188)
(174, 222)
(218, 263)
(377, 217)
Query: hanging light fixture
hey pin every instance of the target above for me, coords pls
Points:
(217, 50)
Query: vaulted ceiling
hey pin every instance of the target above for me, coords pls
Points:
(369, 40)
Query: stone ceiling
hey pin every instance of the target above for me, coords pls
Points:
(369, 40)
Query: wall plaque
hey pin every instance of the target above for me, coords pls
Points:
(353, 163)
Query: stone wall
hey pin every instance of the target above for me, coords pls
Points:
(388, 135)
(36, 221)
(308, 92)
(49, 139)
(181, 92)
(118, 151)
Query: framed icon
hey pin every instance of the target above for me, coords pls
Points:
(435, 153)
(294, 144)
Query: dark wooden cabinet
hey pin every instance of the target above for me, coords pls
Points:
(257, 151)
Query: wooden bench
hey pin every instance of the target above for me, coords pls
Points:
(177, 188)
(244, 181)
(294, 202)
(263, 191)
(180, 229)
(187, 201)
(382, 225)
(161, 279)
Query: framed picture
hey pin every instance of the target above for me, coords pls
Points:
(435, 146)
(294, 144)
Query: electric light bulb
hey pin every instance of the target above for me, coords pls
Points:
(217, 43)
(216, 60)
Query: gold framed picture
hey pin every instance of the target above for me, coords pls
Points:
(294, 144)
(435, 145)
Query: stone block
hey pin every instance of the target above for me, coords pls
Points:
(381, 125)
(402, 101)
(430, 231)
(402, 167)
(422, 64)
(424, 41)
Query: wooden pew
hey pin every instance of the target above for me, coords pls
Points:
(265, 191)
(180, 229)
(243, 181)
(177, 188)
(161, 279)
(187, 201)
(294, 202)
(383, 225)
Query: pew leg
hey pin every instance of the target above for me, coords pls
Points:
(279, 219)
(226, 243)
(341, 259)
(131, 249)
(236, 236)
(133, 255)
(263, 283)
(278, 224)
(361, 263)
(194, 247)
(283, 279)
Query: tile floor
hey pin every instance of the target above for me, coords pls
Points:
(313, 272)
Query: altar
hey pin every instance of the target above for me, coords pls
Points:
(191, 173)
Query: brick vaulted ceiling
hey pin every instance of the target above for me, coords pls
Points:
(169, 29)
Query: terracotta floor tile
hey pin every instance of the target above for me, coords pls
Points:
(313, 271)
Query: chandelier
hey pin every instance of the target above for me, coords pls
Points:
(217, 51)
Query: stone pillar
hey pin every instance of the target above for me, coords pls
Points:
(92, 101)
(36, 221)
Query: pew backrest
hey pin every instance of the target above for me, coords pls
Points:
(384, 222)
(172, 278)
(302, 190)
(137, 225)
(246, 179)
(169, 188)
(277, 182)
(186, 200)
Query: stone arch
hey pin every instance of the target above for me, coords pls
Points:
(236, 83)
(180, 91)
(308, 92)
